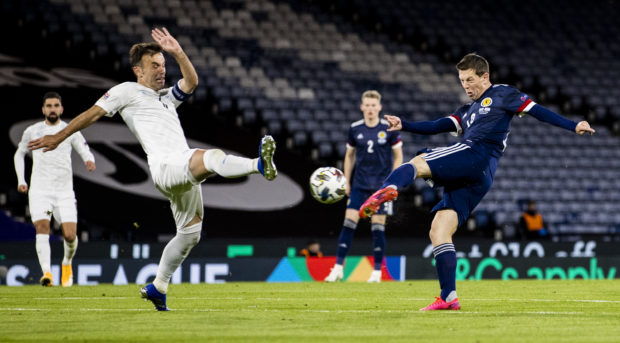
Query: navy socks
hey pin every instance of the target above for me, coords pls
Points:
(445, 262)
(378, 244)
(345, 239)
(402, 176)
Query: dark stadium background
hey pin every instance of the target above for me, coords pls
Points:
(112, 215)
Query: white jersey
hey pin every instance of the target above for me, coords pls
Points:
(150, 115)
(51, 170)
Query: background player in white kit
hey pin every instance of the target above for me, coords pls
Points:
(51, 186)
(149, 110)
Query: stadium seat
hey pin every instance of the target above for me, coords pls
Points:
(300, 71)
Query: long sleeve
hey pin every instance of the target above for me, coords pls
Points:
(430, 127)
(545, 115)
(81, 146)
(18, 159)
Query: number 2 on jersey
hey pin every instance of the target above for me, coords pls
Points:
(370, 145)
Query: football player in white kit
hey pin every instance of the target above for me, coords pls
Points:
(51, 186)
(149, 110)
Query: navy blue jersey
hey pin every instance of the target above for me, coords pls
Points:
(466, 169)
(486, 121)
(373, 153)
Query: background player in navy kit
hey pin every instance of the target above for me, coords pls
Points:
(373, 152)
(465, 169)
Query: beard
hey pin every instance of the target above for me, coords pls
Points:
(52, 117)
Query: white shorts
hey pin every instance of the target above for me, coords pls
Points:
(61, 205)
(173, 179)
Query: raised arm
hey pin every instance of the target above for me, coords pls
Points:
(172, 46)
(84, 120)
(422, 127)
(543, 114)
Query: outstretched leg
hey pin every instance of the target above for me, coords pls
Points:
(205, 163)
(400, 177)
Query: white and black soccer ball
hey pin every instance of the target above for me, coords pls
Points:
(327, 185)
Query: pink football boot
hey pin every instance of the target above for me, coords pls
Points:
(440, 304)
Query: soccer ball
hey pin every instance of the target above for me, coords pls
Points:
(327, 185)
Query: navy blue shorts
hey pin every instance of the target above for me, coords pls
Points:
(466, 175)
(358, 196)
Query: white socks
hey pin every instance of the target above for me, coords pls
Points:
(43, 251)
(451, 296)
(174, 254)
(215, 160)
(70, 249)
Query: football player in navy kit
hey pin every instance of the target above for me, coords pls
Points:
(465, 169)
(372, 153)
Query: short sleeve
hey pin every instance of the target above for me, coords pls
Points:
(23, 143)
(395, 140)
(517, 102)
(351, 139)
(113, 100)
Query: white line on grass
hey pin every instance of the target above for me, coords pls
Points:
(253, 310)
(83, 298)
(212, 298)
(550, 300)
(326, 299)
(335, 299)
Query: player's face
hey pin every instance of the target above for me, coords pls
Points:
(52, 110)
(371, 108)
(473, 84)
(152, 71)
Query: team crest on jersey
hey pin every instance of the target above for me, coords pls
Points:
(382, 135)
(486, 102)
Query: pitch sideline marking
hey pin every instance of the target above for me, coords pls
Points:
(329, 299)
(462, 312)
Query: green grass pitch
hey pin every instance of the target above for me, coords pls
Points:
(492, 311)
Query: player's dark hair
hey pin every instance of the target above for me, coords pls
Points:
(138, 50)
(474, 61)
(51, 95)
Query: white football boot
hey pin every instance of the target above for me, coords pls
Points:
(335, 275)
(375, 276)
